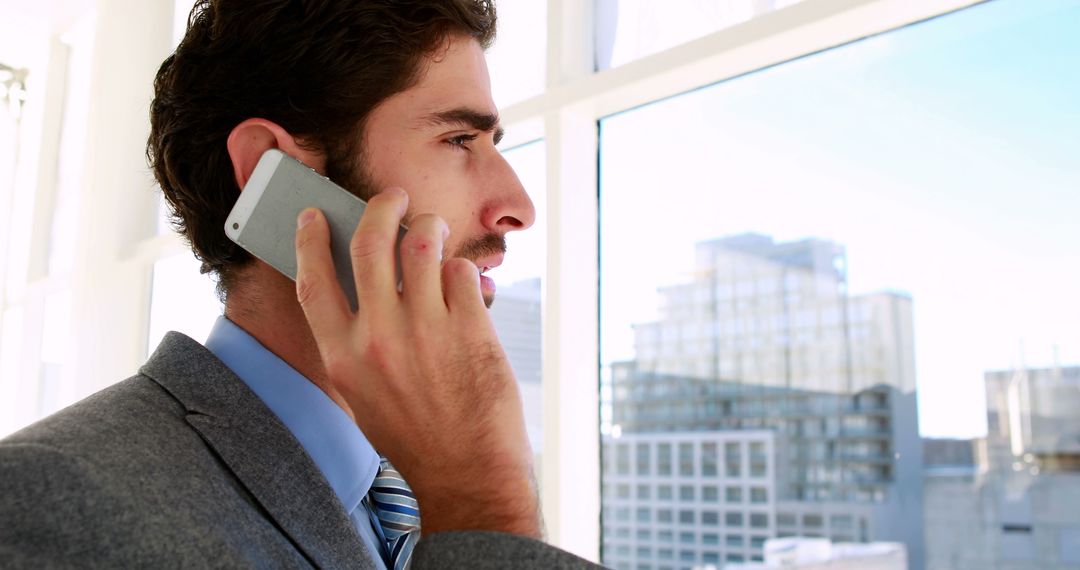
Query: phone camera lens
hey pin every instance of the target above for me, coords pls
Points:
(235, 226)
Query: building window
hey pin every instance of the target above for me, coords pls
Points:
(841, 522)
(686, 537)
(665, 554)
(686, 459)
(710, 538)
(686, 517)
(785, 519)
(733, 519)
(622, 459)
(759, 495)
(643, 492)
(710, 518)
(622, 514)
(663, 515)
(686, 492)
(709, 459)
(733, 494)
(643, 514)
(622, 490)
(710, 494)
(811, 521)
(734, 540)
(759, 520)
(732, 459)
(663, 459)
(758, 460)
(643, 466)
(663, 492)
(758, 541)
(665, 536)
(644, 534)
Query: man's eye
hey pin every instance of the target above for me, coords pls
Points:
(461, 141)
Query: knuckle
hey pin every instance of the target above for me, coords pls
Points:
(381, 355)
(367, 244)
(461, 269)
(307, 289)
(419, 244)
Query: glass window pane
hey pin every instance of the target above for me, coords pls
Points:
(812, 227)
(708, 459)
(627, 30)
(517, 61)
(518, 307)
(181, 299)
(643, 459)
(13, 413)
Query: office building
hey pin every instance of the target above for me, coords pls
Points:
(766, 339)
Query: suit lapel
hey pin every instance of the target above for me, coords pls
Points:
(259, 450)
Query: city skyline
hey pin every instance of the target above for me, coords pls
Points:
(940, 154)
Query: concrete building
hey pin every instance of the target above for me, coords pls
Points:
(766, 338)
(681, 499)
(1018, 508)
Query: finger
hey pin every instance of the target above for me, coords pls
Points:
(372, 249)
(461, 287)
(421, 261)
(317, 289)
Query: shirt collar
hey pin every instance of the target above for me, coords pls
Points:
(330, 437)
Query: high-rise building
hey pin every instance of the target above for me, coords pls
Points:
(766, 339)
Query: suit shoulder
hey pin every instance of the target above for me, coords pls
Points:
(102, 420)
(484, 549)
(51, 501)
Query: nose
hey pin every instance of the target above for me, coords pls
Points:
(510, 208)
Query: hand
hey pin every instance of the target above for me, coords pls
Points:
(422, 369)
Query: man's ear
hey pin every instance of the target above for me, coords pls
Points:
(250, 139)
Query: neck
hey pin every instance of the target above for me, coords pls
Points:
(263, 303)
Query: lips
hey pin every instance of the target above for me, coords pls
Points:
(485, 264)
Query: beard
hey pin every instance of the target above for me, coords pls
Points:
(346, 168)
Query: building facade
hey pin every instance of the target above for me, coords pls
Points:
(1018, 507)
(766, 339)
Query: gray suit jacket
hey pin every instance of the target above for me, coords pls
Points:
(183, 466)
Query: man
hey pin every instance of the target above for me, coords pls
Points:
(259, 449)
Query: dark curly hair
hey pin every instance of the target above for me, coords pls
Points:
(317, 68)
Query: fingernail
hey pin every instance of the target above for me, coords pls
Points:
(305, 217)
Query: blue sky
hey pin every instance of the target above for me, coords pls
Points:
(942, 155)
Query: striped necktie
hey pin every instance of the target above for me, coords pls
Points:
(398, 513)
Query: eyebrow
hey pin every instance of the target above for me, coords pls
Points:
(478, 120)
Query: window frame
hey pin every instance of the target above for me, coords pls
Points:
(567, 116)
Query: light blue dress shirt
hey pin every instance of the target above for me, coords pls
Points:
(334, 442)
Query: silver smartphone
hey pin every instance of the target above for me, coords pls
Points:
(263, 221)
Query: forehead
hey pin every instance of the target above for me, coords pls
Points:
(454, 76)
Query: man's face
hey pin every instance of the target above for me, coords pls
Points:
(437, 141)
